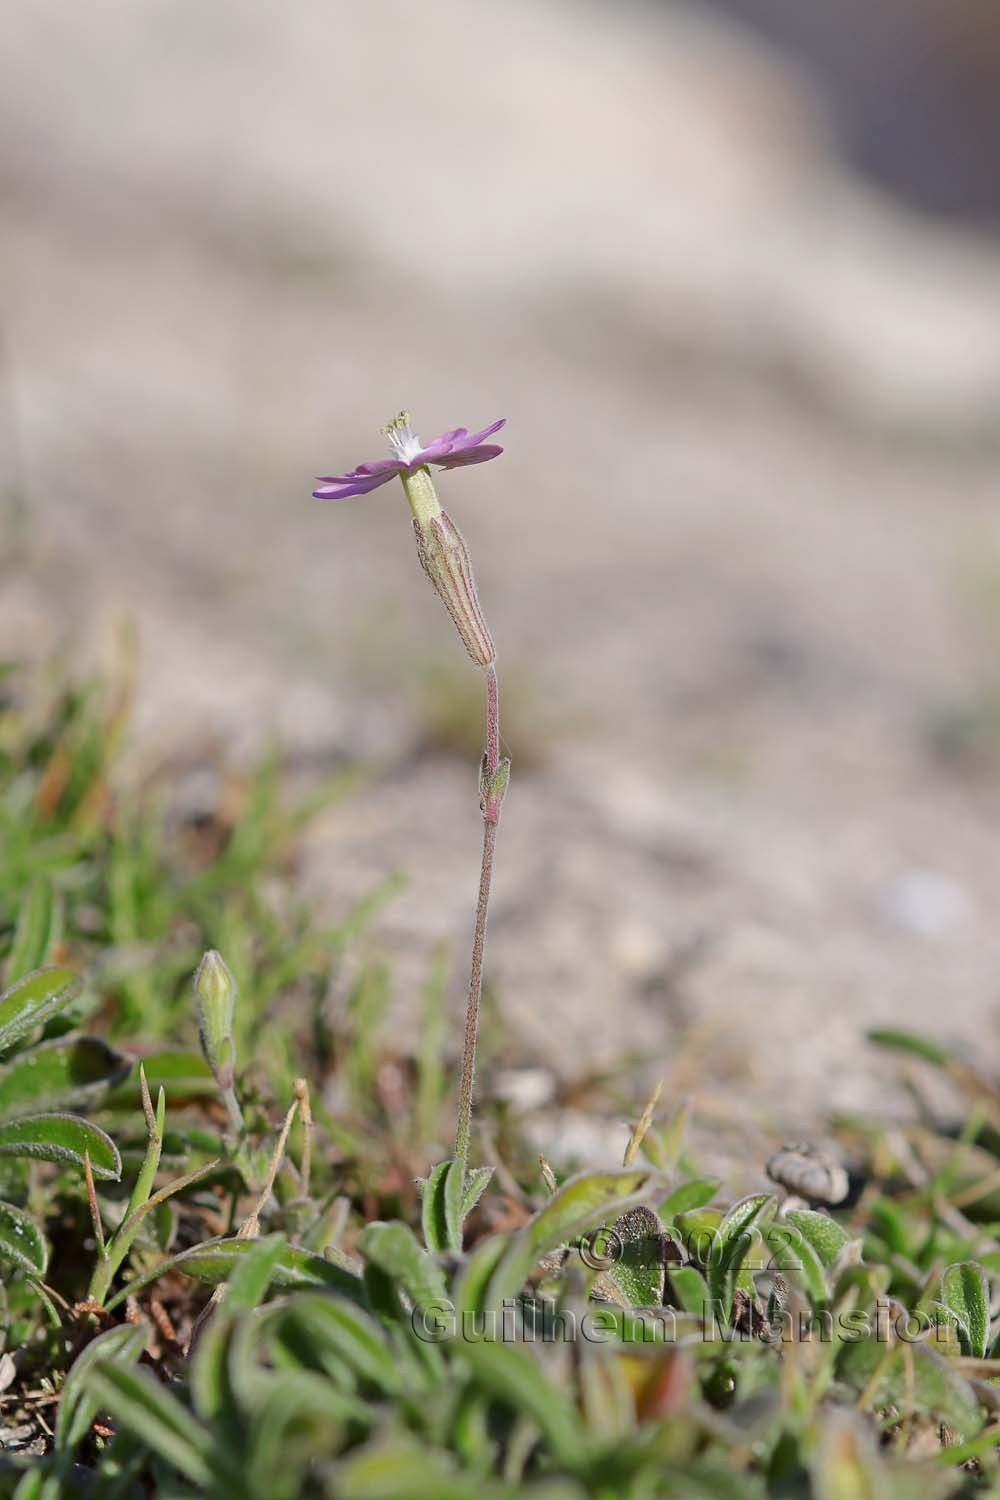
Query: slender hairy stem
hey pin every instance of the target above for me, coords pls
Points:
(491, 817)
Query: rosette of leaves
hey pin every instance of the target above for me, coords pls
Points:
(515, 1368)
(44, 1075)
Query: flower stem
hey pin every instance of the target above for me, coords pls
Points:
(491, 817)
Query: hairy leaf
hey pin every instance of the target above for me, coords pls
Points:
(33, 1001)
(59, 1074)
(514, 1376)
(140, 1404)
(215, 1261)
(825, 1235)
(639, 1271)
(690, 1290)
(476, 1184)
(334, 1335)
(433, 1219)
(688, 1195)
(965, 1292)
(733, 1240)
(581, 1204)
(22, 1241)
(77, 1405)
(394, 1250)
(61, 1138)
(792, 1252)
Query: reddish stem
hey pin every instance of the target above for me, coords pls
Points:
(491, 817)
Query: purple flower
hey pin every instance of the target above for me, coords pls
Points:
(449, 451)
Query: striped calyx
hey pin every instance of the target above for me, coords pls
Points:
(445, 559)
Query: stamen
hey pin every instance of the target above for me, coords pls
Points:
(403, 443)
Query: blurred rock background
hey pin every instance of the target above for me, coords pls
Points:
(732, 273)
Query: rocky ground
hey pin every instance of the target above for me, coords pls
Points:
(740, 557)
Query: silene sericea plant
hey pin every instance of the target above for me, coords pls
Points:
(445, 559)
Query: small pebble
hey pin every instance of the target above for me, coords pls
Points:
(927, 903)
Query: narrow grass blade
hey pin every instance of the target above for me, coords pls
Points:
(39, 924)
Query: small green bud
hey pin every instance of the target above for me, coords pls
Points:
(494, 787)
(215, 1001)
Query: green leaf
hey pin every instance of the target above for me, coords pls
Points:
(733, 1240)
(447, 1201)
(690, 1290)
(297, 1423)
(825, 1235)
(889, 1223)
(640, 1327)
(581, 1204)
(694, 1194)
(215, 1261)
(183, 1075)
(791, 1251)
(945, 1319)
(639, 1271)
(143, 1407)
(476, 1184)
(22, 1241)
(211, 1368)
(907, 1041)
(33, 1001)
(432, 1211)
(39, 923)
(965, 1292)
(402, 1470)
(77, 1406)
(252, 1276)
(512, 1375)
(453, 1185)
(337, 1336)
(472, 1282)
(913, 1377)
(432, 1220)
(394, 1250)
(61, 1138)
(60, 1074)
(860, 1286)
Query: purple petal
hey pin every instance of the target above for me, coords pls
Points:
(457, 441)
(434, 452)
(380, 466)
(344, 487)
(477, 437)
(363, 471)
(477, 455)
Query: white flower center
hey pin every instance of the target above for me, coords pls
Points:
(404, 444)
